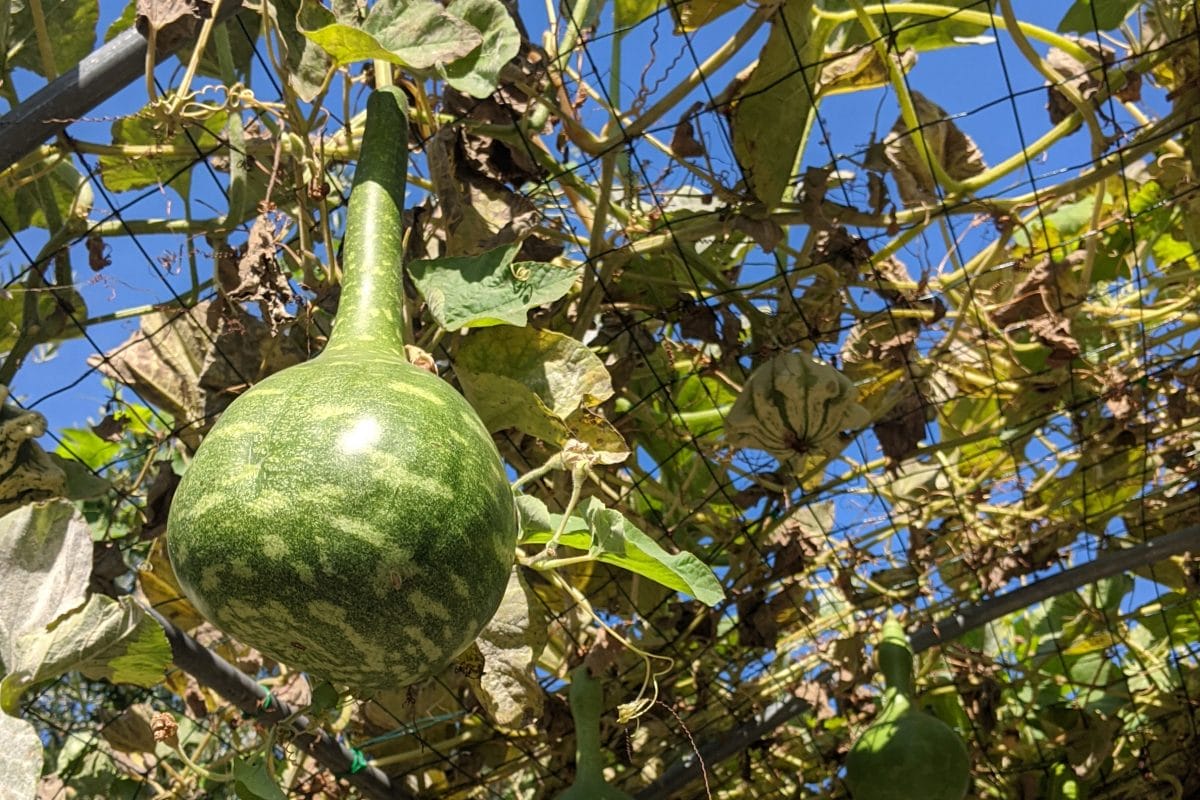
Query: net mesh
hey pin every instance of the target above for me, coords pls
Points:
(997, 251)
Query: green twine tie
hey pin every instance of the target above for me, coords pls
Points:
(358, 761)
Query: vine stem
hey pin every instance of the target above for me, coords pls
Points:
(211, 670)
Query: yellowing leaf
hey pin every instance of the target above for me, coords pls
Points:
(161, 588)
(529, 379)
(108, 639)
(510, 645)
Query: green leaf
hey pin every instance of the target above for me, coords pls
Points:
(85, 447)
(487, 289)
(70, 26)
(23, 192)
(478, 73)
(417, 34)
(1089, 16)
(82, 483)
(194, 139)
(106, 639)
(533, 514)
(613, 539)
(20, 758)
(529, 379)
(307, 62)
(772, 110)
(252, 781)
(45, 566)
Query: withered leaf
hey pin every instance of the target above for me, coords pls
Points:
(510, 645)
(901, 429)
(683, 139)
(859, 69)
(956, 152)
(174, 22)
(193, 362)
(110, 429)
(259, 277)
(1085, 81)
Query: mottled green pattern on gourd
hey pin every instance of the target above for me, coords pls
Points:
(350, 516)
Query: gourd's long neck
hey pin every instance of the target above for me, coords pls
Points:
(587, 702)
(896, 658)
(369, 311)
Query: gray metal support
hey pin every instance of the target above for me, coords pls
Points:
(77, 91)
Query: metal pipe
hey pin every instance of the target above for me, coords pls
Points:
(70, 96)
(235, 686)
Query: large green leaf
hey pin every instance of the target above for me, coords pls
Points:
(45, 565)
(921, 32)
(488, 289)
(192, 141)
(307, 61)
(417, 34)
(773, 109)
(478, 72)
(107, 639)
(612, 539)
(1089, 16)
(70, 27)
(252, 780)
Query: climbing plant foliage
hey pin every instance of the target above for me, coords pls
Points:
(785, 317)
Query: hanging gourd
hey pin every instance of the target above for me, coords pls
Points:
(350, 516)
(905, 754)
(792, 406)
(587, 704)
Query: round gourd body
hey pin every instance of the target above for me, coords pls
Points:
(349, 516)
(793, 405)
(908, 755)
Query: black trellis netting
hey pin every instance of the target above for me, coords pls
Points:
(1012, 291)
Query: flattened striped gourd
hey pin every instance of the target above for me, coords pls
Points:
(350, 516)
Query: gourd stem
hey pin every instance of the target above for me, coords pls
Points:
(373, 246)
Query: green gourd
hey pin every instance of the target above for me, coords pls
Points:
(905, 754)
(587, 704)
(350, 516)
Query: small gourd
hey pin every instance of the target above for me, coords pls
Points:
(350, 516)
(905, 754)
(587, 704)
(793, 405)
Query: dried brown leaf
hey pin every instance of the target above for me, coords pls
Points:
(174, 22)
(259, 277)
(683, 139)
(952, 148)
